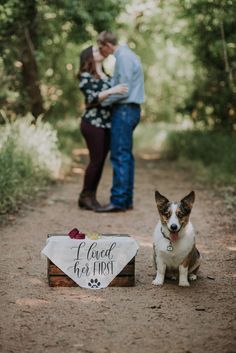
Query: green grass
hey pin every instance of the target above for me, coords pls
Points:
(212, 154)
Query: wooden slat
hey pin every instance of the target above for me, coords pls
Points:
(65, 281)
(123, 281)
(61, 281)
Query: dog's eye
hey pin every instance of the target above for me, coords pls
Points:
(180, 215)
(166, 214)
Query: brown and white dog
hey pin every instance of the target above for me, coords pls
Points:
(175, 252)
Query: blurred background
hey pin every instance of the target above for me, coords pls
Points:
(188, 52)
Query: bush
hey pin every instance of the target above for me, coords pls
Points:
(29, 158)
(215, 151)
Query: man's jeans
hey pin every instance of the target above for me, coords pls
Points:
(125, 118)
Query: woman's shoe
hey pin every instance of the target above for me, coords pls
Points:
(87, 201)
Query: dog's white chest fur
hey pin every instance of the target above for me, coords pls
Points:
(179, 250)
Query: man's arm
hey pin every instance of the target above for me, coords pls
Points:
(124, 75)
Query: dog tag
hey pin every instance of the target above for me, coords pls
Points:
(170, 247)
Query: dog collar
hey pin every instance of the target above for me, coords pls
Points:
(165, 235)
(169, 246)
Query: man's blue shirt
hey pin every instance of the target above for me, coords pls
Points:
(128, 70)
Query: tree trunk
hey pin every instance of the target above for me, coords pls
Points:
(30, 75)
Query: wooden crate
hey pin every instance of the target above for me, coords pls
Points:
(57, 278)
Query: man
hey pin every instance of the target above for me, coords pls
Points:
(125, 117)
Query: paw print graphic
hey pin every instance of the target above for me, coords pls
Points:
(94, 283)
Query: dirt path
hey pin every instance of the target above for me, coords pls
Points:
(144, 319)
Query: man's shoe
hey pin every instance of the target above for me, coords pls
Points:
(110, 208)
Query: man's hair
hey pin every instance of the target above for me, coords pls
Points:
(107, 37)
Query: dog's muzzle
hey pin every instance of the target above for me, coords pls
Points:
(174, 232)
(174, 236)
(173, 227)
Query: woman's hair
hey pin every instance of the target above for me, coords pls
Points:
(87, 63)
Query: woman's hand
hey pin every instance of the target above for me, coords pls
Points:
(119, 89)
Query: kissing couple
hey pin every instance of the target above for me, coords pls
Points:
(112, 111)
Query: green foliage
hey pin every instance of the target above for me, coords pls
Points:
(209, 155)
(56, 31)
(187, 48)
(29, 157)
(18, 178)
(15, 18)
(213, 151)
(154, 31)
(211, 33)
(188, 52)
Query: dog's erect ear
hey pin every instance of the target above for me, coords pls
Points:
(160, 200)
(188, 201)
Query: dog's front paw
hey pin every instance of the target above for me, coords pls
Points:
(158, 281)
(184, 283)
(192, 277)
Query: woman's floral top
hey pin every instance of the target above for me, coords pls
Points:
(95, 114)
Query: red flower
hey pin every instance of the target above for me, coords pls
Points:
(76, 234)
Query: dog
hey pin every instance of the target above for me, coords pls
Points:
(175, 252)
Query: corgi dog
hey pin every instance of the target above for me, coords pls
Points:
(174, 247)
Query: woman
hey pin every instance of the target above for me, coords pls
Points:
(96, 121)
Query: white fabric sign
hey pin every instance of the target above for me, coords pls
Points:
(91, 263)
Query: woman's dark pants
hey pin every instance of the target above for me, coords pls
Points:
(98, 143)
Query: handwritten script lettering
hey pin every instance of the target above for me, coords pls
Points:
(100, 254)
(94, 260)
(81, 270)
